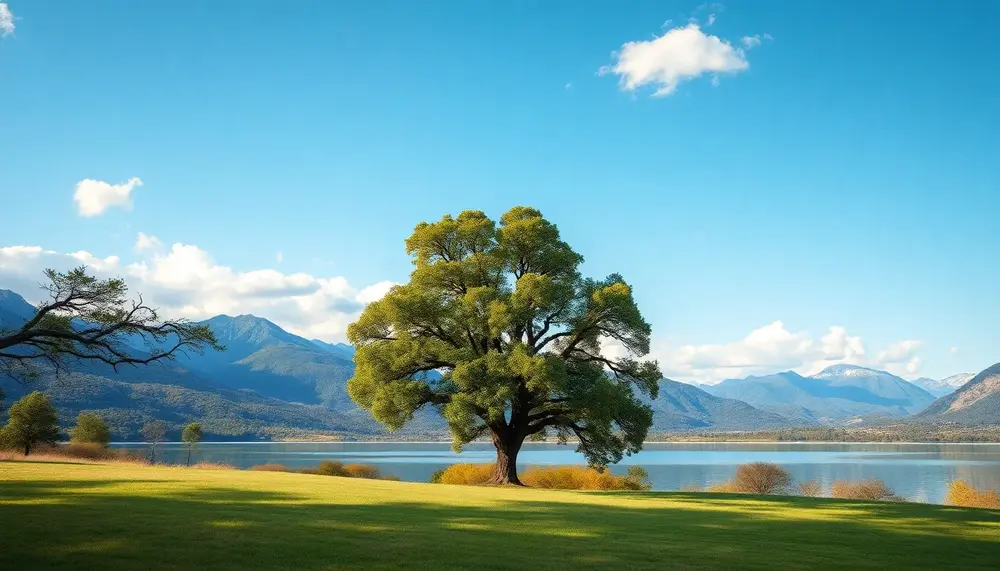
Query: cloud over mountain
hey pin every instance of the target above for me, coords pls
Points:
(774, 348)
(186, 281)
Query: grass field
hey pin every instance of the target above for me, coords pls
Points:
(90, 516)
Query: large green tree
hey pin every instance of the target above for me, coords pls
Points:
(32, 421)
(95, 320)
(498, 329)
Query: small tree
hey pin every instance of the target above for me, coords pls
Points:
(92, 320)
(191, 436)
(32, 421)
(90, 429)
(153, 433)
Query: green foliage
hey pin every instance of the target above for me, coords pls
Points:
(90, 428)
(192, 433)
(637, 478)
(32, 420)
(92, 320)
(191, 436)
(498, 329)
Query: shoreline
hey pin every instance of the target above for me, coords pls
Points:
(397, 442)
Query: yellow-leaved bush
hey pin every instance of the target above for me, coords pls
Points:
(961, 493)
(552, 477)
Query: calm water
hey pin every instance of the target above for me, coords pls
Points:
(919, 472)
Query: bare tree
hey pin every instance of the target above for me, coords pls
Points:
(89, 319)
(153, 433)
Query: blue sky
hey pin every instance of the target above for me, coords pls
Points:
(822, 164)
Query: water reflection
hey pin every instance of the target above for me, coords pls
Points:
(918, 472)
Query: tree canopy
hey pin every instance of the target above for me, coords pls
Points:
(191, 436)
(32, 420)
(498, 330)
(90, 429)
(89, 319)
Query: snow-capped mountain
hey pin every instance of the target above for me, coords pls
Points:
(941, 387)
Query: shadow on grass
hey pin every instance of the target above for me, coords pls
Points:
(122, 524)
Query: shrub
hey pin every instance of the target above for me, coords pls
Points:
(361, 471)
(552, 477)
(960, 493)
(269, 468)
(86, 451)
(870, 489)
(325, 468)
(761, 478)
(810, 489)
(571, 478)
(436, 476)
(467, 474)
(690, 488)
(331, 468)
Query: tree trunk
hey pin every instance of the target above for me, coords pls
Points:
(506, 466)
(27, 448)
(189, 456)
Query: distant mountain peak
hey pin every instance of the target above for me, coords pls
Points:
(957, 380)
(845, 370)
(947, 385)
(14, 309)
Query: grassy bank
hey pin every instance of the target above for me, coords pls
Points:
(65, 515)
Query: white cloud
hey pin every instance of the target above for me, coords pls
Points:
(710, 20)
(185, 281)
(899, 352)
(751, 41)
(93, 197)
(6, 20)
(913, 365)
(773, 348)
(679, 55)
(280, 257)
(900, 358)
(144, 242)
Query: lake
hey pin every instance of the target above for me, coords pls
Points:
(918, 472)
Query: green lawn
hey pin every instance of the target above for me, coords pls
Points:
(80, 516)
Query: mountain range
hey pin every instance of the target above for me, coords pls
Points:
(945, 386)
(976, 402)
(838, 393)
(270, 384)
